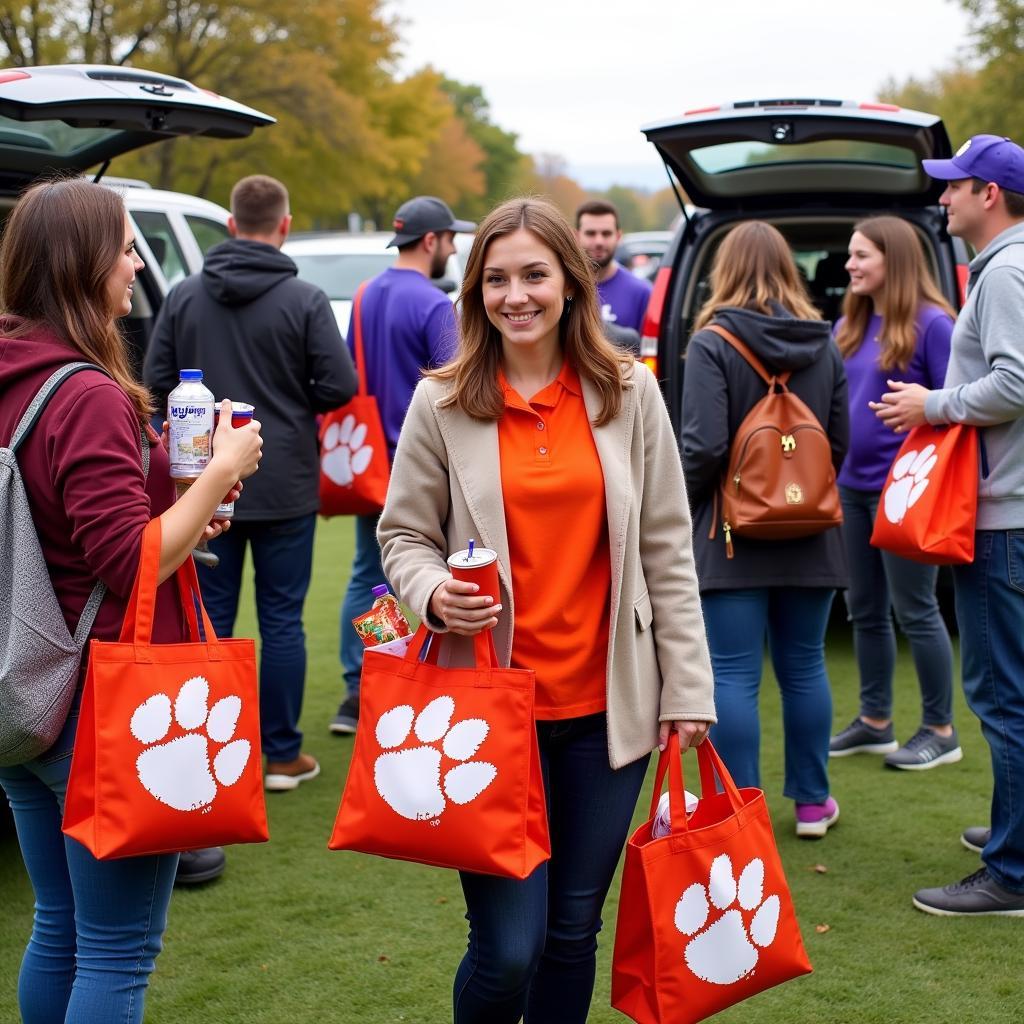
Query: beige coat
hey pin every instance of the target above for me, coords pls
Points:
(446, 488)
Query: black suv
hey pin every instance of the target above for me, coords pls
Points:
(810, 167)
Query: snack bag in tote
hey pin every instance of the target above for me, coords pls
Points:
(705, 917)
(354, 465)
(167, 755)
(446, 767)
(929, 503)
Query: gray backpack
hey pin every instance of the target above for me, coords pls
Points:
(39, 658)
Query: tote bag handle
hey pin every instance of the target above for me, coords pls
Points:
(139, 615)
(710, 764)
(484, 653)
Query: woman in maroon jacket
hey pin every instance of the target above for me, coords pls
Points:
(67, 270)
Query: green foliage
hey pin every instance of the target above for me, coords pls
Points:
(293, 932)
(986, 93)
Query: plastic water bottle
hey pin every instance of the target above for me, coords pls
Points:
(190, 419)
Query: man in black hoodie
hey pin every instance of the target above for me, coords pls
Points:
(264, 337)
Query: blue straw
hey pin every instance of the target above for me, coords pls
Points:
(471, 543)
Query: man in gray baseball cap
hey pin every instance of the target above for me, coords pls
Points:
(424, 214)
(406, 324)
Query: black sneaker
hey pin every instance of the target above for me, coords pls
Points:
(976, 894)
(976, 838)
(860, 738)
(926, 749)
(195, 866)
(347, 718)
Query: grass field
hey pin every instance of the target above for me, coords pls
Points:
(293, 933)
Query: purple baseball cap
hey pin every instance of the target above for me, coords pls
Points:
(987, 157)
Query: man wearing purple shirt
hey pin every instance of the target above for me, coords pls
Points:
(408, 325)
(623, 296)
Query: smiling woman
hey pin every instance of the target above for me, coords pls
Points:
(563, 448)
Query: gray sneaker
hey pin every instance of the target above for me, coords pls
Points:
(926, 749)
(860, 738)
(976, 838)
(347, 718)
(975, 895)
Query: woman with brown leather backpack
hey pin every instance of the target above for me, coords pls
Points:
(755, 586)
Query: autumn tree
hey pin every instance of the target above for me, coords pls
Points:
(350, 135)
(984, 92)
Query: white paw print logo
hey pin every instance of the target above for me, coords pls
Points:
(410, 780)
(345, 454)
(909, 480)
(179, 772)
(726, 950)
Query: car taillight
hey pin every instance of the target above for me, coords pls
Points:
(12, 76)
(963, 272)
(651, 330)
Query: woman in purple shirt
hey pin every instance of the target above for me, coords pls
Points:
(895, 325)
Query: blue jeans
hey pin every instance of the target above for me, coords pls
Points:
(367, 573)
(990, 613)
(794, 620)
(533, 943)
(98, 924)
(880, 583)
(282, 557)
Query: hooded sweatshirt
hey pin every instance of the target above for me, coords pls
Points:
(82, 470)
(984, 383)
(719, 389)
(262, 336)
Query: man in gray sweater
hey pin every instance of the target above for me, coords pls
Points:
(984, 386)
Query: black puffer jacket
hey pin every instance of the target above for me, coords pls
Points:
(719, 389)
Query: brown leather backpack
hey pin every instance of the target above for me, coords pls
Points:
(780, 482)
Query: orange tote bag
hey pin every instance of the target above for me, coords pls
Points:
(705, 916)
(167, 755)
(929, 504)
(354, 466)
(446, 767)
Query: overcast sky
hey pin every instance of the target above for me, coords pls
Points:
(579, 77)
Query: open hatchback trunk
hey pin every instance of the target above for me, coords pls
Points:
(769, 153)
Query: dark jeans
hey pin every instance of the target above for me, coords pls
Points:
(366, 574)
(533, 943)
(98, 925)
(282, 557)
(880, 583)
(794, 621)
(990, 613)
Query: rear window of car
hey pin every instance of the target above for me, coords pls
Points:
(51, 136)
(160, 238)
(206, 232)
(340, 274)
(731, 156)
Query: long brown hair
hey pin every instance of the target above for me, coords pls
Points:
(908, 286)
(60, 245)
(752, 269)
(474, 370)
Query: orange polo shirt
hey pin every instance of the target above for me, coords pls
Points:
(557, 525)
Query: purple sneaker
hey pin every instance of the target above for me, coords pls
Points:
(814, 820)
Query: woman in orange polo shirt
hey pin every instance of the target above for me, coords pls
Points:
(550, 446)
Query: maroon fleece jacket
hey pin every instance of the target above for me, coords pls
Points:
(82, 469)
